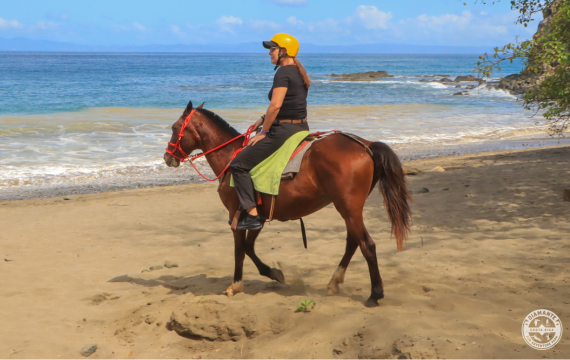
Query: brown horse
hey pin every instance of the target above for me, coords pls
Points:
(336, 169)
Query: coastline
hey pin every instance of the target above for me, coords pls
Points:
(482, 255)
(159, 175)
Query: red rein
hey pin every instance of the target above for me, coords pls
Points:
(247, 135)
(185, 156)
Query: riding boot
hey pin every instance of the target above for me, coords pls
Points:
(250, 222)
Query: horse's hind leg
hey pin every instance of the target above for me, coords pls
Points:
(265, 270)
(338, 276)
(239, 253)
(357, 231)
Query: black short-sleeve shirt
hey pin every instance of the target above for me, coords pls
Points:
(295, 102)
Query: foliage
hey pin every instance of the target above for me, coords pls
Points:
(305, 306)
(546, 57)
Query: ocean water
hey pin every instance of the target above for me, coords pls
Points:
(86, 122)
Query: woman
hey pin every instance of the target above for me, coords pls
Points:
(285, 116)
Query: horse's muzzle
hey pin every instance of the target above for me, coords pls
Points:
(171, 161)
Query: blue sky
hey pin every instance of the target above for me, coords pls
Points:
(326, 22)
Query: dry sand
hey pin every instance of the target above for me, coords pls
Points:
(482, 255)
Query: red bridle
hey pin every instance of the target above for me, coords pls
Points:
(185, 156)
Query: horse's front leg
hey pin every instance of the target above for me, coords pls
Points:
(239, 254)
(264, 269)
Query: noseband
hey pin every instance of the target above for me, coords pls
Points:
(185, 156)
(177, 146)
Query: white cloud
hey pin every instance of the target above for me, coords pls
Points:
(227, 23)
(139, 27)
(327, 26)
(44, 25)
(10, 24)
(63, 16)
(289, 2)
(464, 29)
(225, 20)
(293, 21)
(371, 17)
(175, 29)
(263, 25)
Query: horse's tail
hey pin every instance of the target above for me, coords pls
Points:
(392, 182)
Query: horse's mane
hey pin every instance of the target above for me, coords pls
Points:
(216, 119)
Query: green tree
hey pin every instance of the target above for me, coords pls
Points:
(546, 58)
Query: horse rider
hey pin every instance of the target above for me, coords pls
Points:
(285, 116)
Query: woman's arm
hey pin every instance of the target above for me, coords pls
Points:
(272, 111)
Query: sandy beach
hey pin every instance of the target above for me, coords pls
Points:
(489, 244)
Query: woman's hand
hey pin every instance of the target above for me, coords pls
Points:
(258, 123)
(257, 138)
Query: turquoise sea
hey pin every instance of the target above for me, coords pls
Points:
(86, 122)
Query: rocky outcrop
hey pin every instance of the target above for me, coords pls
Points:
(460, 78)
(363, 76)
(466, 78)
(517, 84)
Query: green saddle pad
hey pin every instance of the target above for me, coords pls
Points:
(266, 175)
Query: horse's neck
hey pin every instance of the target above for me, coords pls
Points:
(211, 137)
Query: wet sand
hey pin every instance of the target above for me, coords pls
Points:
(482, 255)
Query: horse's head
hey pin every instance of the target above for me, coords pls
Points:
(188, 142)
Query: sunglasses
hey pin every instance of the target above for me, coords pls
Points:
(273, 48)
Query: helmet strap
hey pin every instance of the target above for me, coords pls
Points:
(279, 59)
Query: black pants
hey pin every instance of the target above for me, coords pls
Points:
(251, 156)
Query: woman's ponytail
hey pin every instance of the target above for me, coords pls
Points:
(303, 73)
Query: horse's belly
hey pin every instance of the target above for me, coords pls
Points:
(297, 198)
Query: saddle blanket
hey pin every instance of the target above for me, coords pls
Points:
(267, 174)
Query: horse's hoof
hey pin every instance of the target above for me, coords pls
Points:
(234, 288)
(277, 275)
(371, 302)
(333, 289)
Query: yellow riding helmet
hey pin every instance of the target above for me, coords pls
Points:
(285, 41)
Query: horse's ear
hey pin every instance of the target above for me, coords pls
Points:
(201, 105)
(188, 109)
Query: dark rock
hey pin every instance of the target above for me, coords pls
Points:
(422, 190)
(170, 264)
(363, 76)
(337, 351)
(156, 267)
(66, 198)
(459, 93)
(466, 78)
(443, 189)
(444, 80)
(423, 80)
(566, 195)
(517, 84)
(458, 86)
(88, 349)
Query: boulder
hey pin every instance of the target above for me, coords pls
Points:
(363, 76)
(459, 93)
(88, 349)
(466, 78)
